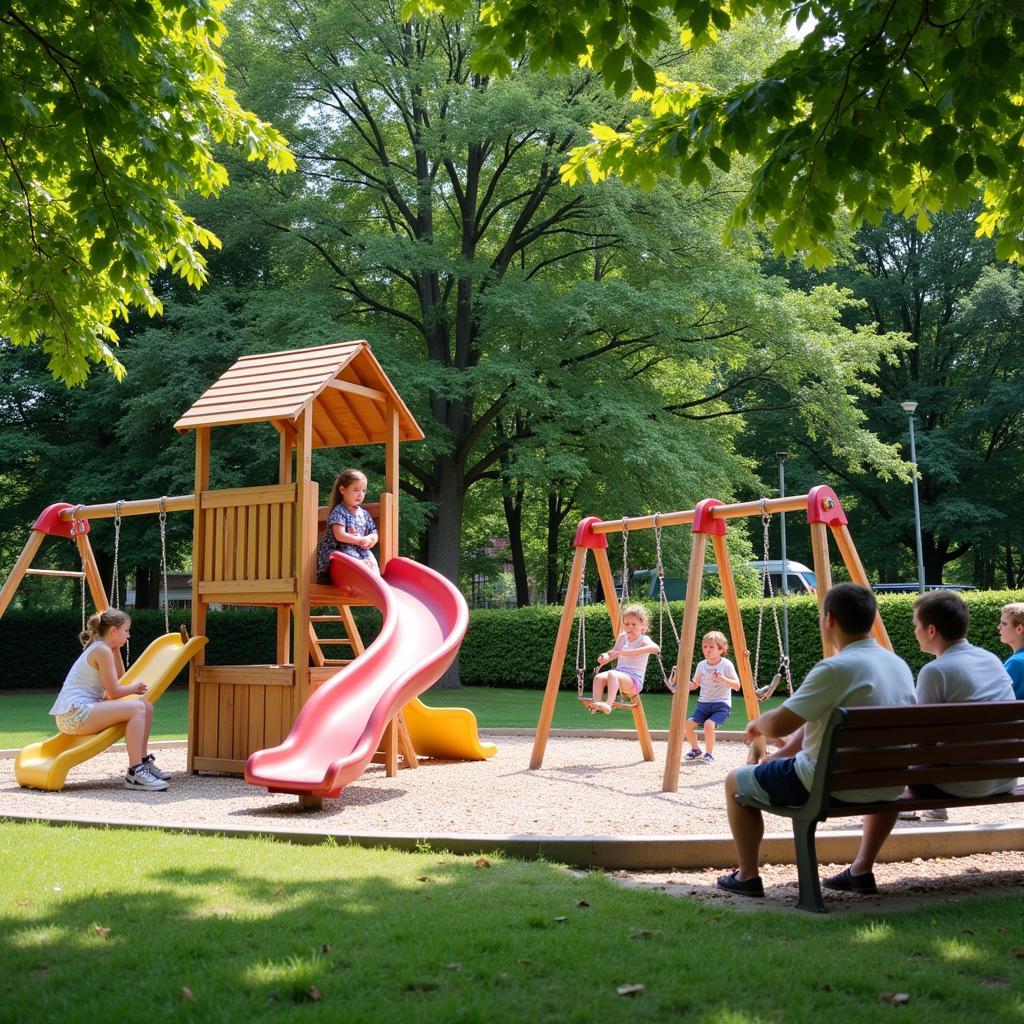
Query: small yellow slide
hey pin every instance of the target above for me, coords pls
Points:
(46, 765)
(445, 732)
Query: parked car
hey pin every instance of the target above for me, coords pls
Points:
(799, 579)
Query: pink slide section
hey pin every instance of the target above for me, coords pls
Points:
(341, 726)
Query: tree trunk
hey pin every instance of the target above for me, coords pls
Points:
(512, 500)
(443, 538)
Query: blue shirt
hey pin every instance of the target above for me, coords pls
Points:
(356, 521)
(1014, 666)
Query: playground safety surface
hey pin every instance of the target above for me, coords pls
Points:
(594, 803)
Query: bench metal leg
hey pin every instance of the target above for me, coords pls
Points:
(807, 867)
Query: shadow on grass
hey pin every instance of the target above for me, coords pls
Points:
(101, 925)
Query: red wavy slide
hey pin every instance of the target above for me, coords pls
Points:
(341, 726)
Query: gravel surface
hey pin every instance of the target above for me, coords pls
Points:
(586, 787)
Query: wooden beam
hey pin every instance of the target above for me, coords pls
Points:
(202, 483)
(358, 389)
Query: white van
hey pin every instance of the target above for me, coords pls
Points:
(799, 579)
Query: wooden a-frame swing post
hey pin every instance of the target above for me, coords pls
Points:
(585, 540)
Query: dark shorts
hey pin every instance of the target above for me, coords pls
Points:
(716, 711)
(926, 790)
(774, 782)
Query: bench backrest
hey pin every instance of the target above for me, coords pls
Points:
(923, 743)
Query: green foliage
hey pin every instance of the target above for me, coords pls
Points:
(881, 106)
(108, 116)
(513, 648)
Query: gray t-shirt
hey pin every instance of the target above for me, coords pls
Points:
(862, 674)
(963, 672)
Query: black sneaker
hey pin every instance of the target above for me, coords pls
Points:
(158, 773)
(140, 777)
(742, 887)
(846, 881)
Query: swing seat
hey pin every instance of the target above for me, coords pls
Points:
(764, 692)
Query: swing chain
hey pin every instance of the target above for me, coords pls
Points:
(163, 560)
(669, 678)
(77, 527)
(624, 587)
(581, 641)
(115, 581)
(767, 590)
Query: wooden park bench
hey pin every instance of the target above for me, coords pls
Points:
(865, 748)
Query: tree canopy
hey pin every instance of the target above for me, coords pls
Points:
(108, 117)
(912, 106)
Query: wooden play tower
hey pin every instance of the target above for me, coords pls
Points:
(257, 545)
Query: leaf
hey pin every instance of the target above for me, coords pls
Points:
(894, 998)
(962, 166)
(559, 920)
(1017, 952)
(99, 930)
(481, 862)
(720, 158)
(582, 903)
(629, 990)
(186, 994)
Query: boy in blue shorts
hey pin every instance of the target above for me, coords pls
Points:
(861, 674)
(716, 677)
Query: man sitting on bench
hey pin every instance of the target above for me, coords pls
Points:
(960, 672)
(862, 673)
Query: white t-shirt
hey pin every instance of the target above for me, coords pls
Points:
(862, 674)
(82, 687)
(964, 672)
(633, 662)
(710, 690)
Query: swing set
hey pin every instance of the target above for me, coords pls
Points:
(707, 519)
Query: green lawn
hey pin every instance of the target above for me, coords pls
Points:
(132, 925)
(24, 718)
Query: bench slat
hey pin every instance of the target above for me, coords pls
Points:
(944, 753)
(928, 733)
(964, 713)
(919, 774)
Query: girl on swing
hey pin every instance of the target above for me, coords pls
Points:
(632, 649)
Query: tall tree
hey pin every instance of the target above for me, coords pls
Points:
(108, 115)
(430, 198)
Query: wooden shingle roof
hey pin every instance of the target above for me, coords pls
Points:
(346, 386)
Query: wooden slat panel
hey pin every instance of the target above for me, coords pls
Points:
(236, 555)
(938, 714)
(240, 740)
(257, 726)
(934, 774)
(881, 739)
(252, 536)
(287, 545)
(269, 495)
(218, 544)
(224, 765)
(247, 675)
(274, 549)
(209, 529)
(277, 588)
(262, 540)
(209, 698)
(274, 702)
(225, 730)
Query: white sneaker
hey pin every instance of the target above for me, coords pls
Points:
(140, 777)
(149, 762)
(935, 814)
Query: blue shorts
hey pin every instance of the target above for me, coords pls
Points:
(716, 711)
(774, 782)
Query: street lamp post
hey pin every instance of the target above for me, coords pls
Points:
(908, 408)
(782, 456)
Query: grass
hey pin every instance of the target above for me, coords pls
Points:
(24, 718)
(123, 925)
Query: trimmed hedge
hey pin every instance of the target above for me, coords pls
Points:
(504, 647)
(513, 648)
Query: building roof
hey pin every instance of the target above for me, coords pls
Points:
(346, 386)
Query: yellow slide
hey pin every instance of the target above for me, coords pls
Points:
(445, 732)
(46, 765)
